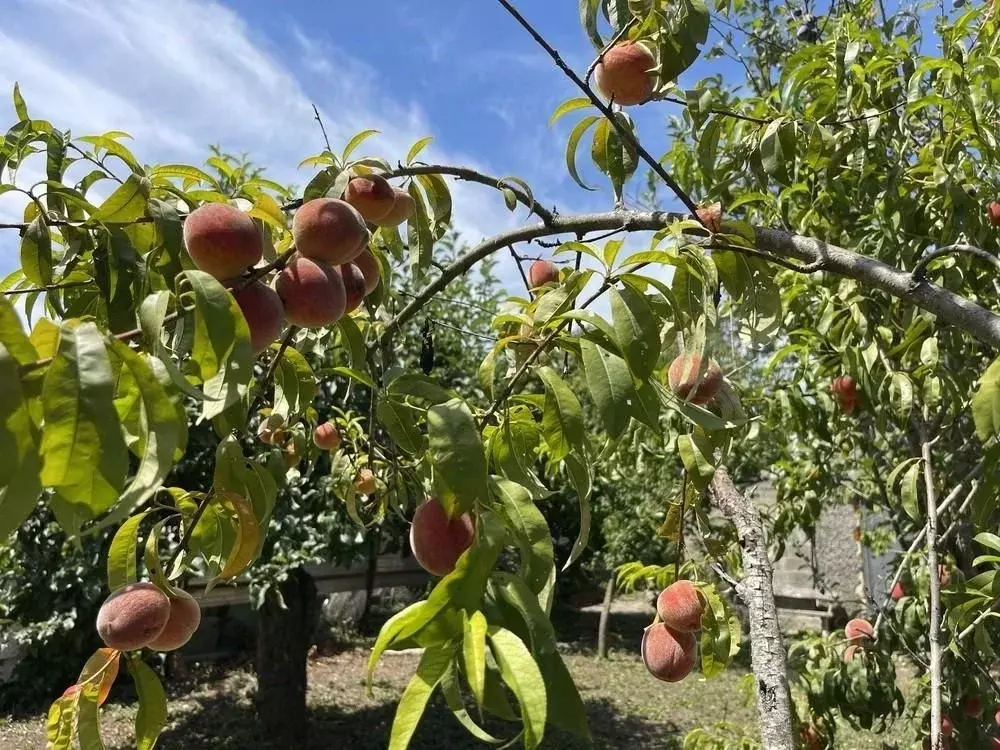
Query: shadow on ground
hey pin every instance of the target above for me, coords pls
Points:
(224, 723)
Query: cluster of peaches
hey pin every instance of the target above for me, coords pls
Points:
(328, 276)
(668, 645)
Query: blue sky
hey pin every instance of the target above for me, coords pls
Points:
(243, 73)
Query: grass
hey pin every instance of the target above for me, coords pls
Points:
(627, 708)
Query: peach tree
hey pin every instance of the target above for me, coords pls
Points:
(842, 217)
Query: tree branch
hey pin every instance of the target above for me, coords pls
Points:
(626, 135)
(934, 625)
(767, 652)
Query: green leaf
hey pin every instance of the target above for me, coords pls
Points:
(570, 105)
(152, 714)
(573, 143)
(294, 384)
(61, 722)
(122, 566)
(901, 394)
(19, 471)
(20, 108)
(637, 332)
(696, 454)
(433, 665)
(562, 415)
(417, 147)
(88, 726)
(439, 198)
(356, 141)
(453, 697)
(126, 204)
(521, 673)
(12, 335)
(513, 450)
(455, 450)
(986, 404)
(474, 653)
(162, 431)
(531, 530)
(610, 386)
(579, 474)
(36, 252)
(908, 490)
(401, 422)
(84, 455)
(399, 627)
(419, 235)
(420, 387)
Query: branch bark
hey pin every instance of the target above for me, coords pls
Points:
(767, 652)
(951, 308)
(934, 626)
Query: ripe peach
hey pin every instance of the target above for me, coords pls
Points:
(692, 382)
(312, 292)
(185, 617)
(371, 195)
(859, 631)
(364, 482)
(850, 652)
(668, 656)
(811, 739)
(438, 541)
(329, 230)
(973, 706)
(543, 272)
(947, 725)
(271, 429)
(264, 313)
(944, 576)
(326, 437)
(222, 240)
(625, 74)
(368, 264)
(292, 451)
(993, 212)
(996, 718)
(680, 607)
(711, 217)
(133, 616)
(845, 391)
(898, 592)
(354, 285)
(402, 210)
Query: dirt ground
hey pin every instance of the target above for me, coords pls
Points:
(214, 709)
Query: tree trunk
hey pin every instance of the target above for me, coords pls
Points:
(934, 616)
(284, 634)
(602, 627)
(767, 652)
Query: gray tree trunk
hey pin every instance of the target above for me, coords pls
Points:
(602, 627)
(767, 652)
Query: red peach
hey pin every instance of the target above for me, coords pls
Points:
(438, 541)
(222, 240)
(329, 230)
(625, 74)
(668, 656)
(680, 607)
(312, 292)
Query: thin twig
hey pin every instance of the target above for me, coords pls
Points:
(322, 128)
(919, 271)
(626, 135)
(186, 536)
(273, 367)
(520, 270)
(49, 288)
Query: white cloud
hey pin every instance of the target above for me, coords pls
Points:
(184, 74)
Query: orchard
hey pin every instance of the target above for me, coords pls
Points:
(808, 295)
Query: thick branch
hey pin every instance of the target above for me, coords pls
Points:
(767, 652)
(951, 308)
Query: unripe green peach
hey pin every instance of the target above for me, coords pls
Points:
(668, 656)
(312, 292)
(368, 264)
(265, 315)
(133, 616)
(354, 286)
(329, 230)
(222, 240)
(438, 541)
(371, 195)
(185, 617)
(625, 74)
(402, 209)
(680, 607)
(692, 382)
(326, 437)
(542, 272)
